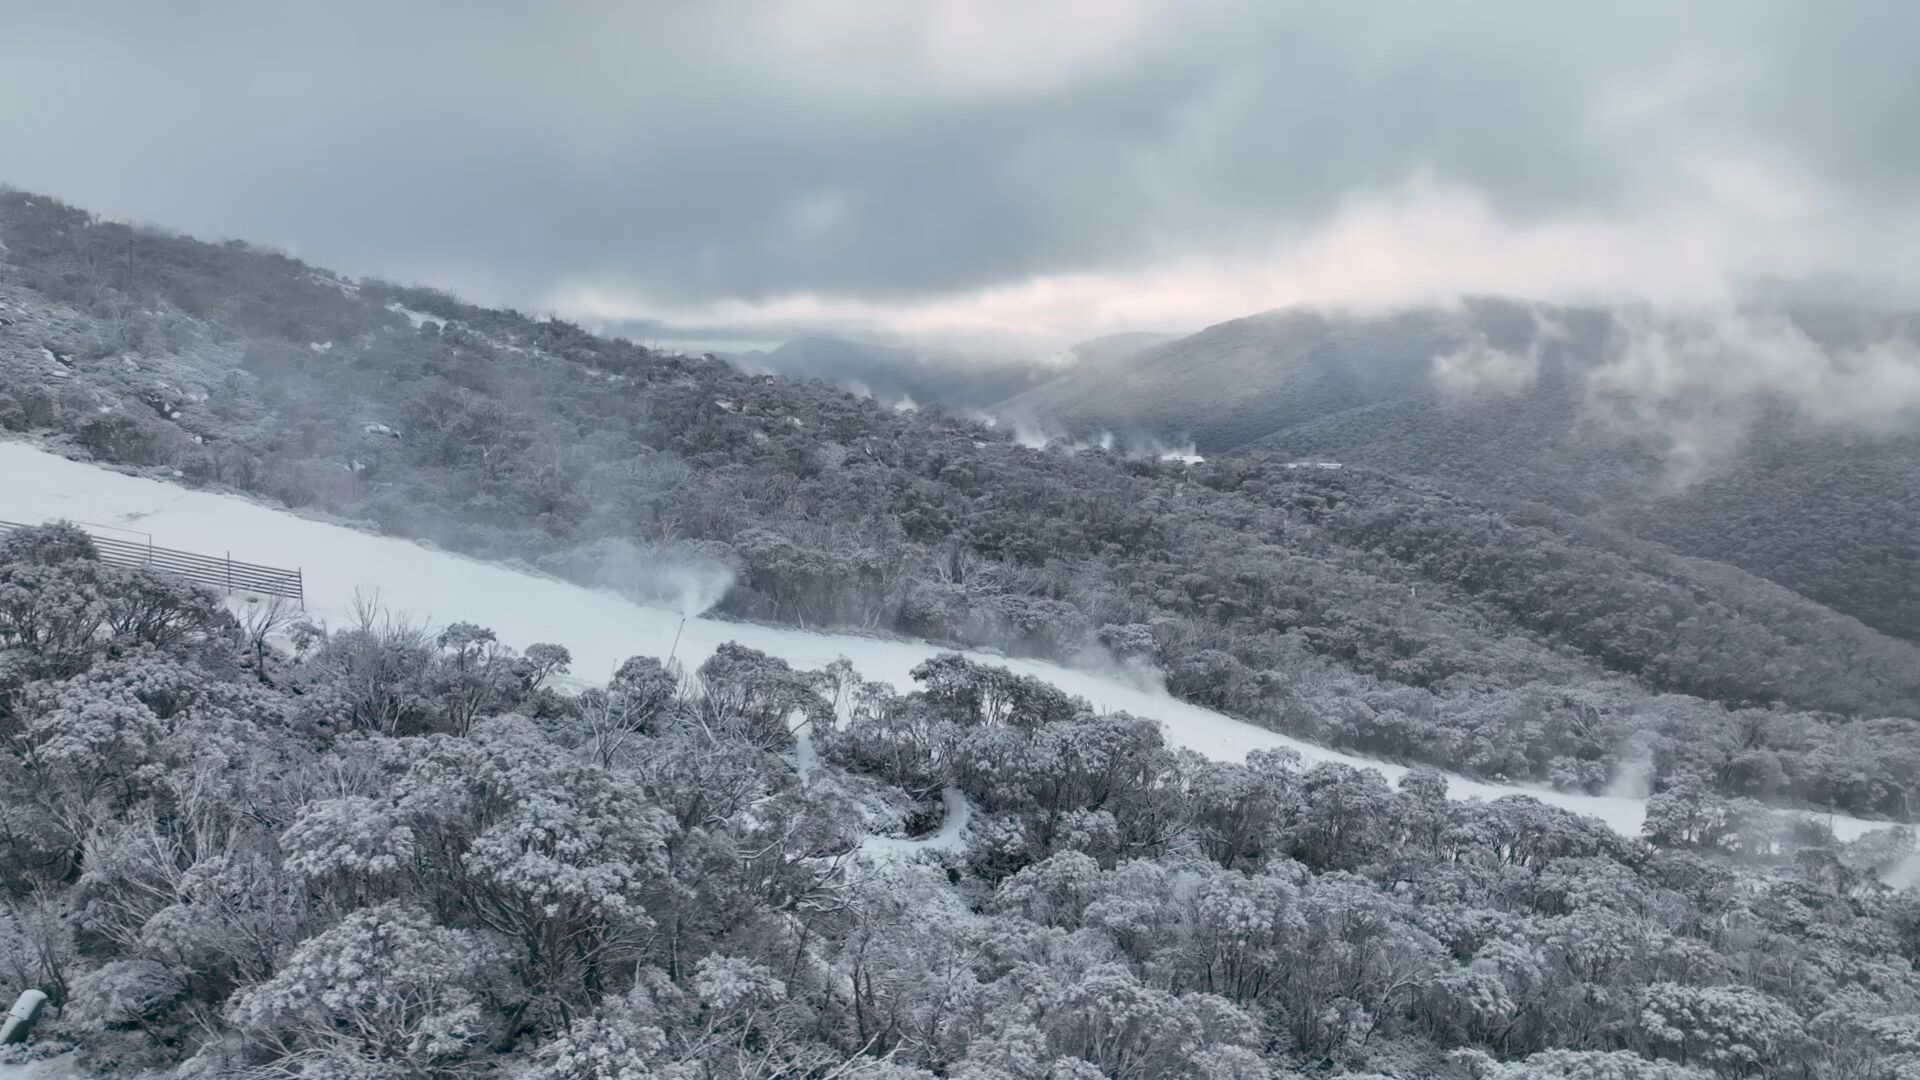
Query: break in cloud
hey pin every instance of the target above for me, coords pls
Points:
(989, 169)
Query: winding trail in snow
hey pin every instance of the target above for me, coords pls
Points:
(951, 836)
(601, 629)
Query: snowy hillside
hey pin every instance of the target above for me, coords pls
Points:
(599, 629)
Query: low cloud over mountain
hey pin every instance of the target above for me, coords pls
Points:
(771, 170)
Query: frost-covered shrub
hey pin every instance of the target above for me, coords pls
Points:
(386, 992)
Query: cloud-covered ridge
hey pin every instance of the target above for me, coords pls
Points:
(978, 167)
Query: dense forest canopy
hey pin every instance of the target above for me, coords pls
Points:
(389, 852)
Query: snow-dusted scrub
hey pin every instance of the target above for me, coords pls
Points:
(223, 861)
(384, 992)
(1385, 616)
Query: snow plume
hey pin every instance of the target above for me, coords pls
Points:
(1700, 382)
(1633, 775)
(1028, 433)
(1185, 453)
(1906, 875)
(1154, 448)
(1103, 440)
(1034, 435)
(1478, 365)
(1893, 855)
(1136, 669)
(672, 576)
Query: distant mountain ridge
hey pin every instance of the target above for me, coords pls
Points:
(895, 374)
(899, 375)
(1517, 398)
(1236, 382)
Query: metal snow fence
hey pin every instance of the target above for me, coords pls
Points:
(215, 571)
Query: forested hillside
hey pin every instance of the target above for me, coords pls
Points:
(1350, 606)
(1519, 399)
(1831, 514)
(396, 853)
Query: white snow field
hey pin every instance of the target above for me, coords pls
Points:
(54, 1068)
(601, 629)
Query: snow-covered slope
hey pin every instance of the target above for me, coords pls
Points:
(63, 1067)
(951, 836)
(598, 628)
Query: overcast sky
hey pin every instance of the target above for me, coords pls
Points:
(989, 167)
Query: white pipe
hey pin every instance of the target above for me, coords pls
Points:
(20, 1018)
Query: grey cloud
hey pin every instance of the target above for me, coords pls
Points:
(1735, 357)
(1478, 366)
(1700, 382)
(697, 154)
